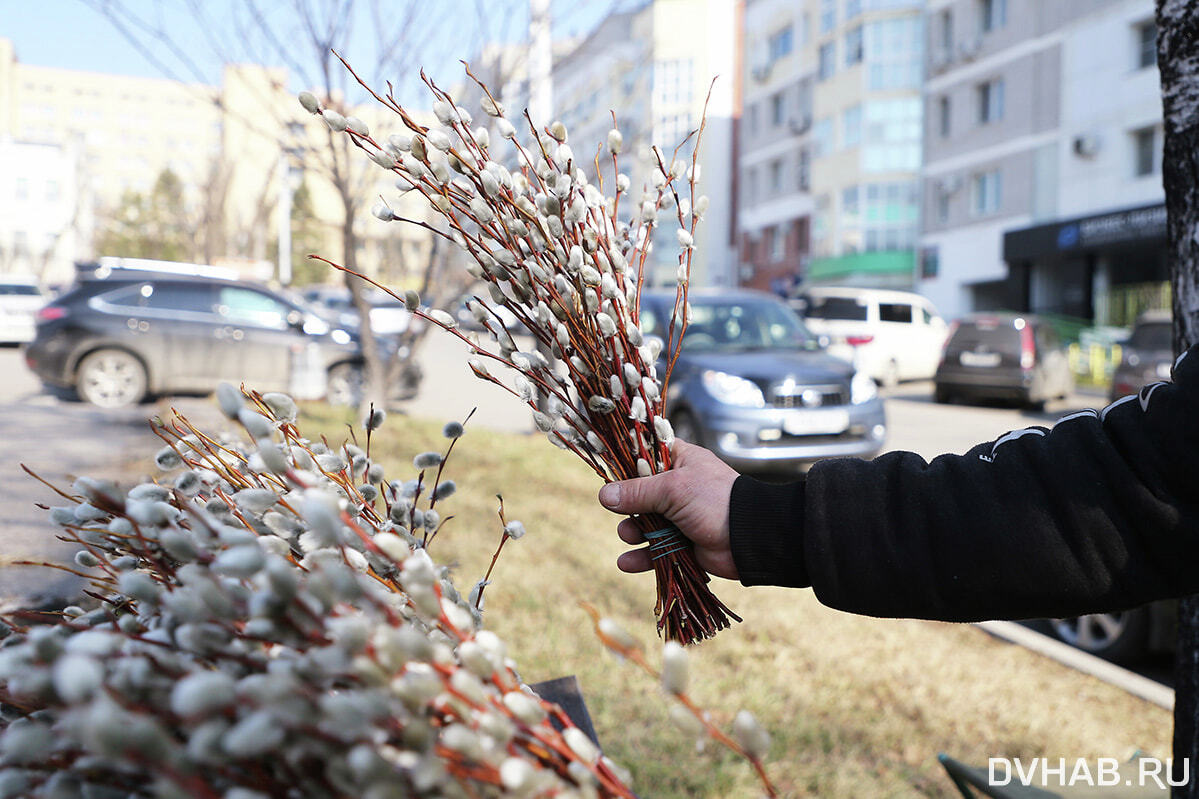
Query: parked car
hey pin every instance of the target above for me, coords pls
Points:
(1123, 636)
(389, 316)
(1147, 356)
(20, 299)
(1003, 356)
(754, 385)
(118, 338)
(889, 335)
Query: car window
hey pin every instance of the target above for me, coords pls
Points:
(927, 315)
(895, 312)
(844, 308)
(992, 336)
(748, 325)
(251, 307)
(18, 290)
(168, 297)
(1155, 336)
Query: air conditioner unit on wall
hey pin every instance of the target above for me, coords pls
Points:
(800, 125)
(1087, 145)
(968, 48)
(950, 184)
(761, 72)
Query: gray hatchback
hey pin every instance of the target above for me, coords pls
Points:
(755, 387)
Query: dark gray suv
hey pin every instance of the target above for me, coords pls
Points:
(755, 387)
(125, 334)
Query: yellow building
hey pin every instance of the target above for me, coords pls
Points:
(230, 145)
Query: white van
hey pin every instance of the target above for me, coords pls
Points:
(889, 335)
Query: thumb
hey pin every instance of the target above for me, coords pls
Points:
(640, 495)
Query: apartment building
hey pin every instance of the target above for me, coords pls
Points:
(1042, 178)
(775, 139)
(831, 142)
(652, 66)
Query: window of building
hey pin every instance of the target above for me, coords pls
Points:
(930, 265)
(992, 14)
(894, 53)
(778, 243)
(851, 126)
(822, 138)
(828, 15)
(945, 28)
(827, 61)
(780, 43)
(892, 134)
(775, 175)
(1144, 150)
(990, 101)
(1146, 44)
(853, 46)
(987, 189)
(753, 119)
(852, 9)
(804, 170)
(942, 200)
(52, 191)
(943, 116)
(22, 188)
(778, 108)
(849, 201)
(751, 185)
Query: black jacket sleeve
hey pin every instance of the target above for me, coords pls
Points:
(1100, 513)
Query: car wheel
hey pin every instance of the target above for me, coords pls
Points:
(111, 379)
(686, 428)
(1119, 636)
(346, 384)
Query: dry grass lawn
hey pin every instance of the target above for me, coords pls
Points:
(857, 706)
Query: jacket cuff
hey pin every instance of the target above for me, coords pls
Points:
(766, 532)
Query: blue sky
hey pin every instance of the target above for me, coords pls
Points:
(72, 34)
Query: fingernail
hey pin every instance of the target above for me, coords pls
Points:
(610, 495)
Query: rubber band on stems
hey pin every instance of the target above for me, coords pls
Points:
(666, 541)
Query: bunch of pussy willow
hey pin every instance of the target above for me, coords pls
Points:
(555, 251)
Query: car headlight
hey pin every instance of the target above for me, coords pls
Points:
(862, 388)
(733, 390)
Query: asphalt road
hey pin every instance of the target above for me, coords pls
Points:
(59, 439)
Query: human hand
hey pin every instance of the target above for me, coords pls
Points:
(694, 494)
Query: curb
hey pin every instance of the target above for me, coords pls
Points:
(1133, 683)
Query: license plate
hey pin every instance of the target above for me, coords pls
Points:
(816, 423)
(980, 358)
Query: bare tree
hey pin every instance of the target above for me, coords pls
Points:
(1178, 61)
(386, 40)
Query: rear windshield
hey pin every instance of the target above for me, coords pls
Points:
(1153, 336)
(994, 337)
(835, 308)
(18, 290)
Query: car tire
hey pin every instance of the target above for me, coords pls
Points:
(111, 379)
(346, 384)
(686, 427)
(1121, 637)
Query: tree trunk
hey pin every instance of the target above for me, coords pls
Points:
(374, 393)
(1178, 60)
